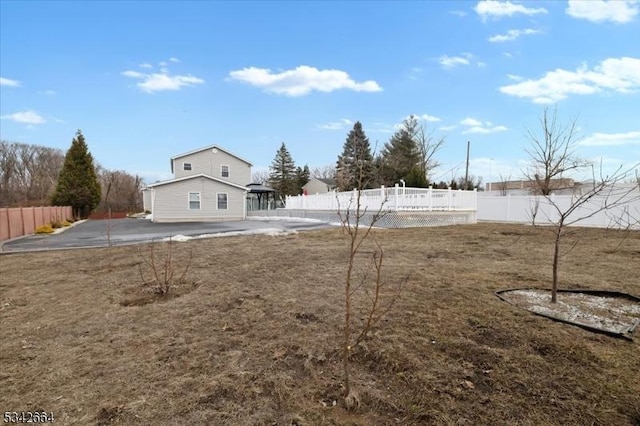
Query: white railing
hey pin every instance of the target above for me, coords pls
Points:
(391, 199)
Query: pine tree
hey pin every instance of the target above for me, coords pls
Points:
(302, 177)
(78, 184)
(282, 176)
(401, 157)
(355, 168)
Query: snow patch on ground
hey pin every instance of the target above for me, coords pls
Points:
(274, 232)
(609, 313)
(285, 219)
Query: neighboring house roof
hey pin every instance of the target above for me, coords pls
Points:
(167, 182)
(330, 182)
(175, 157)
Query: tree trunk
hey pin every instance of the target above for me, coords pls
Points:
(556, 260)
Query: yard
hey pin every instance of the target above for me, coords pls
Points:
(253, 335)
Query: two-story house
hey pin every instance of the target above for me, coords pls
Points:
(208, 184)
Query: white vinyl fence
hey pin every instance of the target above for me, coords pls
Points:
(388, 199)
(526, 208)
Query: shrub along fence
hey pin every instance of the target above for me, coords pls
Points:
(18, 221)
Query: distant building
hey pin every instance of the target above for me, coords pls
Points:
(528, 186)
(319, 186)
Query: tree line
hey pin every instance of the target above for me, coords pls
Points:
(35, 175)
(409, 156)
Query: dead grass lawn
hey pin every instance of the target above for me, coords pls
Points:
(254, 336)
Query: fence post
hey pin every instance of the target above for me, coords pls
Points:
(475, 199)
(395, 195)
(22, 221)
(430, 197)
(508, 207)
(450, 194)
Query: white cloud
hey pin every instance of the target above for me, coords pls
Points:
(476, 126)
(133, 74)
(335, 125)
(620, 75)
(459, 13)
(48, 92)
(428, 118)
(145, 65)
(157, 82)
(514, 77)
(172, 59)
(618, 11)
(449, 62)
(512, 35)
(163, 64)
(612, 139)
(447, 128)
(498, 9)
(9, 82)
(301, 80)
(25, 117)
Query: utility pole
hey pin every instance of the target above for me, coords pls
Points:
(466, 172)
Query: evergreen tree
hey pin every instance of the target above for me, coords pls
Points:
(282, 176)
(302, 177)
(78, 184)
(401, 157)
(355, 168)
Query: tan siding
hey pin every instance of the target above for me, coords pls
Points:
(208, 163)
(314, 186)
(172, 201)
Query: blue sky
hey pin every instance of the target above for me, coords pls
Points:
(148, 80)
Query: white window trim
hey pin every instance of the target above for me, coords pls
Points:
(189, 169)
(228, 170)
(189, 200)
(218, 205)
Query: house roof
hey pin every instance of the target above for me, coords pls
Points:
(327, 181)
(175, 157)
(201, 175)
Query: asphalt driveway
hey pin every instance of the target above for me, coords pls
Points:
(93, 233)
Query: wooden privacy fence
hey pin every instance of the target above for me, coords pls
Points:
(18, 221)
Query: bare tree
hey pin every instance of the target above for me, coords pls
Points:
(28, 173)
(428, 146)
(606, 194)
(328, 171)
(503, 185)
(120, 191)
(381, 300)
(260, 176)
(552, 154)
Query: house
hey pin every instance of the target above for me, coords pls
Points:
(319, 186)
(529, 186)
(208, 184)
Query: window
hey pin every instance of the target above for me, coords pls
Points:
(186, 166)
(222, 201)
(224, 171)
(194, 201)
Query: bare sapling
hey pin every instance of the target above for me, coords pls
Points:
(352, 219)
(606, 195)
(160, 274)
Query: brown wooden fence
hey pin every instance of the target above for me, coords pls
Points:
(18, 221)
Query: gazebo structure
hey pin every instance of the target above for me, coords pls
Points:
(260, 197)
